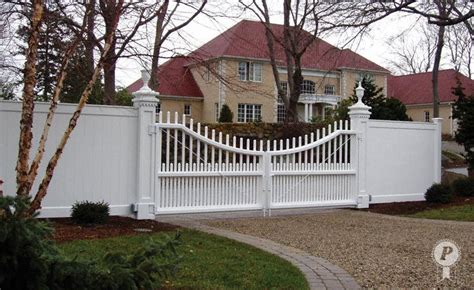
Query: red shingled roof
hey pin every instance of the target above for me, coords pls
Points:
(417, 88)
(247, 39)
(175, 79)
(244, 40)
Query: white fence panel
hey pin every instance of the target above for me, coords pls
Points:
(402, 160)
(315, 171)
(198, 170)
(98, 163)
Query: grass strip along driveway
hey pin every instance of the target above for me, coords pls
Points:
(455, 213)
(377, 250)
(209, 262)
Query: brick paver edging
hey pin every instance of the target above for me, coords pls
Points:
(319, 273)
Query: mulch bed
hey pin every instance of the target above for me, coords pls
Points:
(407, 208)
(65, 230)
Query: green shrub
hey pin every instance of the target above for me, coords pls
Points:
(226, 114)
(439, 193)
(30, 260)
(24, 246)
(115, 270)
(88, 212)
(464, 186)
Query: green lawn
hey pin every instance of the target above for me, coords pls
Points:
(209, 262)
(457, 213)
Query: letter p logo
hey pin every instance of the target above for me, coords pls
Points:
(446, 251)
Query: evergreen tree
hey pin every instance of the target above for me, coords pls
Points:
(463, 112)
(382, 108)
(76, 81)
(54, 37)
(124, 98)
(226, 115)
(7, 90)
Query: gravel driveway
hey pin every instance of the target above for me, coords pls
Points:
(378, 250)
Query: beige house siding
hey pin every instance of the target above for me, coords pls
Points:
(417, 113)
(352, 76)
(176, 104)
(209, 88)
(222, 86)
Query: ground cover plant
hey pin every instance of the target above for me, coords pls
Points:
(208, 262)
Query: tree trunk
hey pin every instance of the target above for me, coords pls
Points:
(109, 76)
(271, 50)
(154, 81)
(437, 61)
(43, 188)
(61, 75)
(26, 122)
(109, 10)
(89, 42)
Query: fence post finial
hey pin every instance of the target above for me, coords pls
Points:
(359, 114)
(145, 101)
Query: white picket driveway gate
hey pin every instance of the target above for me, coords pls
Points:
(198, 170)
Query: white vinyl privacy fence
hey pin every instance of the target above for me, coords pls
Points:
(146, 164)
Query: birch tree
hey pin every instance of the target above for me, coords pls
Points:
(27, 172)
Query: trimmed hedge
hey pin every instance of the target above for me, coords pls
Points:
(266, 131)
(463, 186)
(439, 193)
(89, 213)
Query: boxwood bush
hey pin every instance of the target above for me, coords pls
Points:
(90, 213)
(464, 186)
(439, 193)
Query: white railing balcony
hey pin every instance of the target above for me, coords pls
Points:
(320, 98)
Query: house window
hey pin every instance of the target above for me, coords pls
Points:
(329, 89)
(250, 71)
(308, 87)
(187, 109)
(249, 113)
(158, 108)
(208, 74)
(367, 76)
(427, 116)
(281, 110)
(218, 112)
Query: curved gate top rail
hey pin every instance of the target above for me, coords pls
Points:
(199, 170)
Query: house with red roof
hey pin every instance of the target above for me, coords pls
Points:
(416, 92)
(234, 69)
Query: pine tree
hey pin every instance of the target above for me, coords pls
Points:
(76, 81)
(373, 95)
(226, 115)
(382, 108)
(54, 36)
(463, 112)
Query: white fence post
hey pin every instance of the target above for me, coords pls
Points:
(145, 100)
(267, 181)
(437, 149)
(359, 114)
